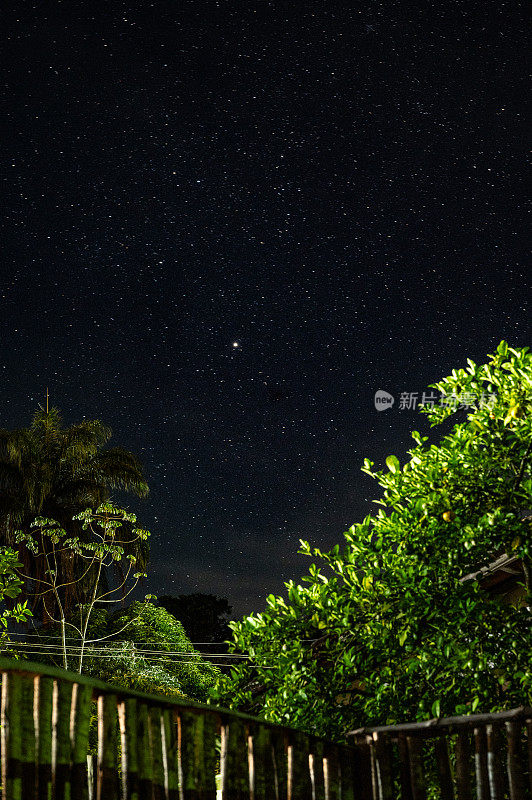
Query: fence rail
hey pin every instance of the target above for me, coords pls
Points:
(481, 757)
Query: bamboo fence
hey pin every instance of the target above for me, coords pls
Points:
(149, 747)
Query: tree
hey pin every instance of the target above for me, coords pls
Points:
(204, 617)
(146, 648)
(55, 472)
(100, 549)
(387, 628)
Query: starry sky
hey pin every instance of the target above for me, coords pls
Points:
(227, 224)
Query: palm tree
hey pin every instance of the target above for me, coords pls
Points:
(54, 471)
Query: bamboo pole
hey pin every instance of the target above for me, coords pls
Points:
(529, 748)
(318, 776)
(383, 766)
(11, 737)
(197, 755)
(463, 765)
(494, 763)
(280, 763)
(332, 772)
(234, 762)
(156, 746)
(44, 736)
(61, 758)
(28, 736)
(127, 722)
(169, 728)
(79, 734)
(481, 763)
(515, 773)
(361, 765)
(299, 767)
(404, 768)
(417, 778)
(144, 759)
(107, 779)
(264, 783)
(444, 768)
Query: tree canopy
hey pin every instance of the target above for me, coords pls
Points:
(389, 627)
(55, 471)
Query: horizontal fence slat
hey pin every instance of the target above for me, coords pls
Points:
(434, 727)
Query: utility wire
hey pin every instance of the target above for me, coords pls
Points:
(108, 649)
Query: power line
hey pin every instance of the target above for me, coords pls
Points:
(150, 660)
(109, 649)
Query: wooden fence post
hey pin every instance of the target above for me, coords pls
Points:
(515, 773)
(404, 768)
(197, 766)
(444, 768)
(61, 759)
(28, 736)
(234, 761)
(383, 766)
(156, 747)
(107, 786)
(332, 772)
(144, 759)
(127, 719)
(494, 762)
(280, 763)
(11, 737)
(417, 777)
(44, 737)
(481, 764)
(463, 765)
(264, 777)
(169, 724)
(529, 748)
(347, 782)
(79, 733)
(318, 776)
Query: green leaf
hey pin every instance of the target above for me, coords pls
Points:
(392, 462)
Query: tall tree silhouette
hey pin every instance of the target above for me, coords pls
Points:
(54, 471)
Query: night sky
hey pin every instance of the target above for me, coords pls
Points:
(227, 224)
